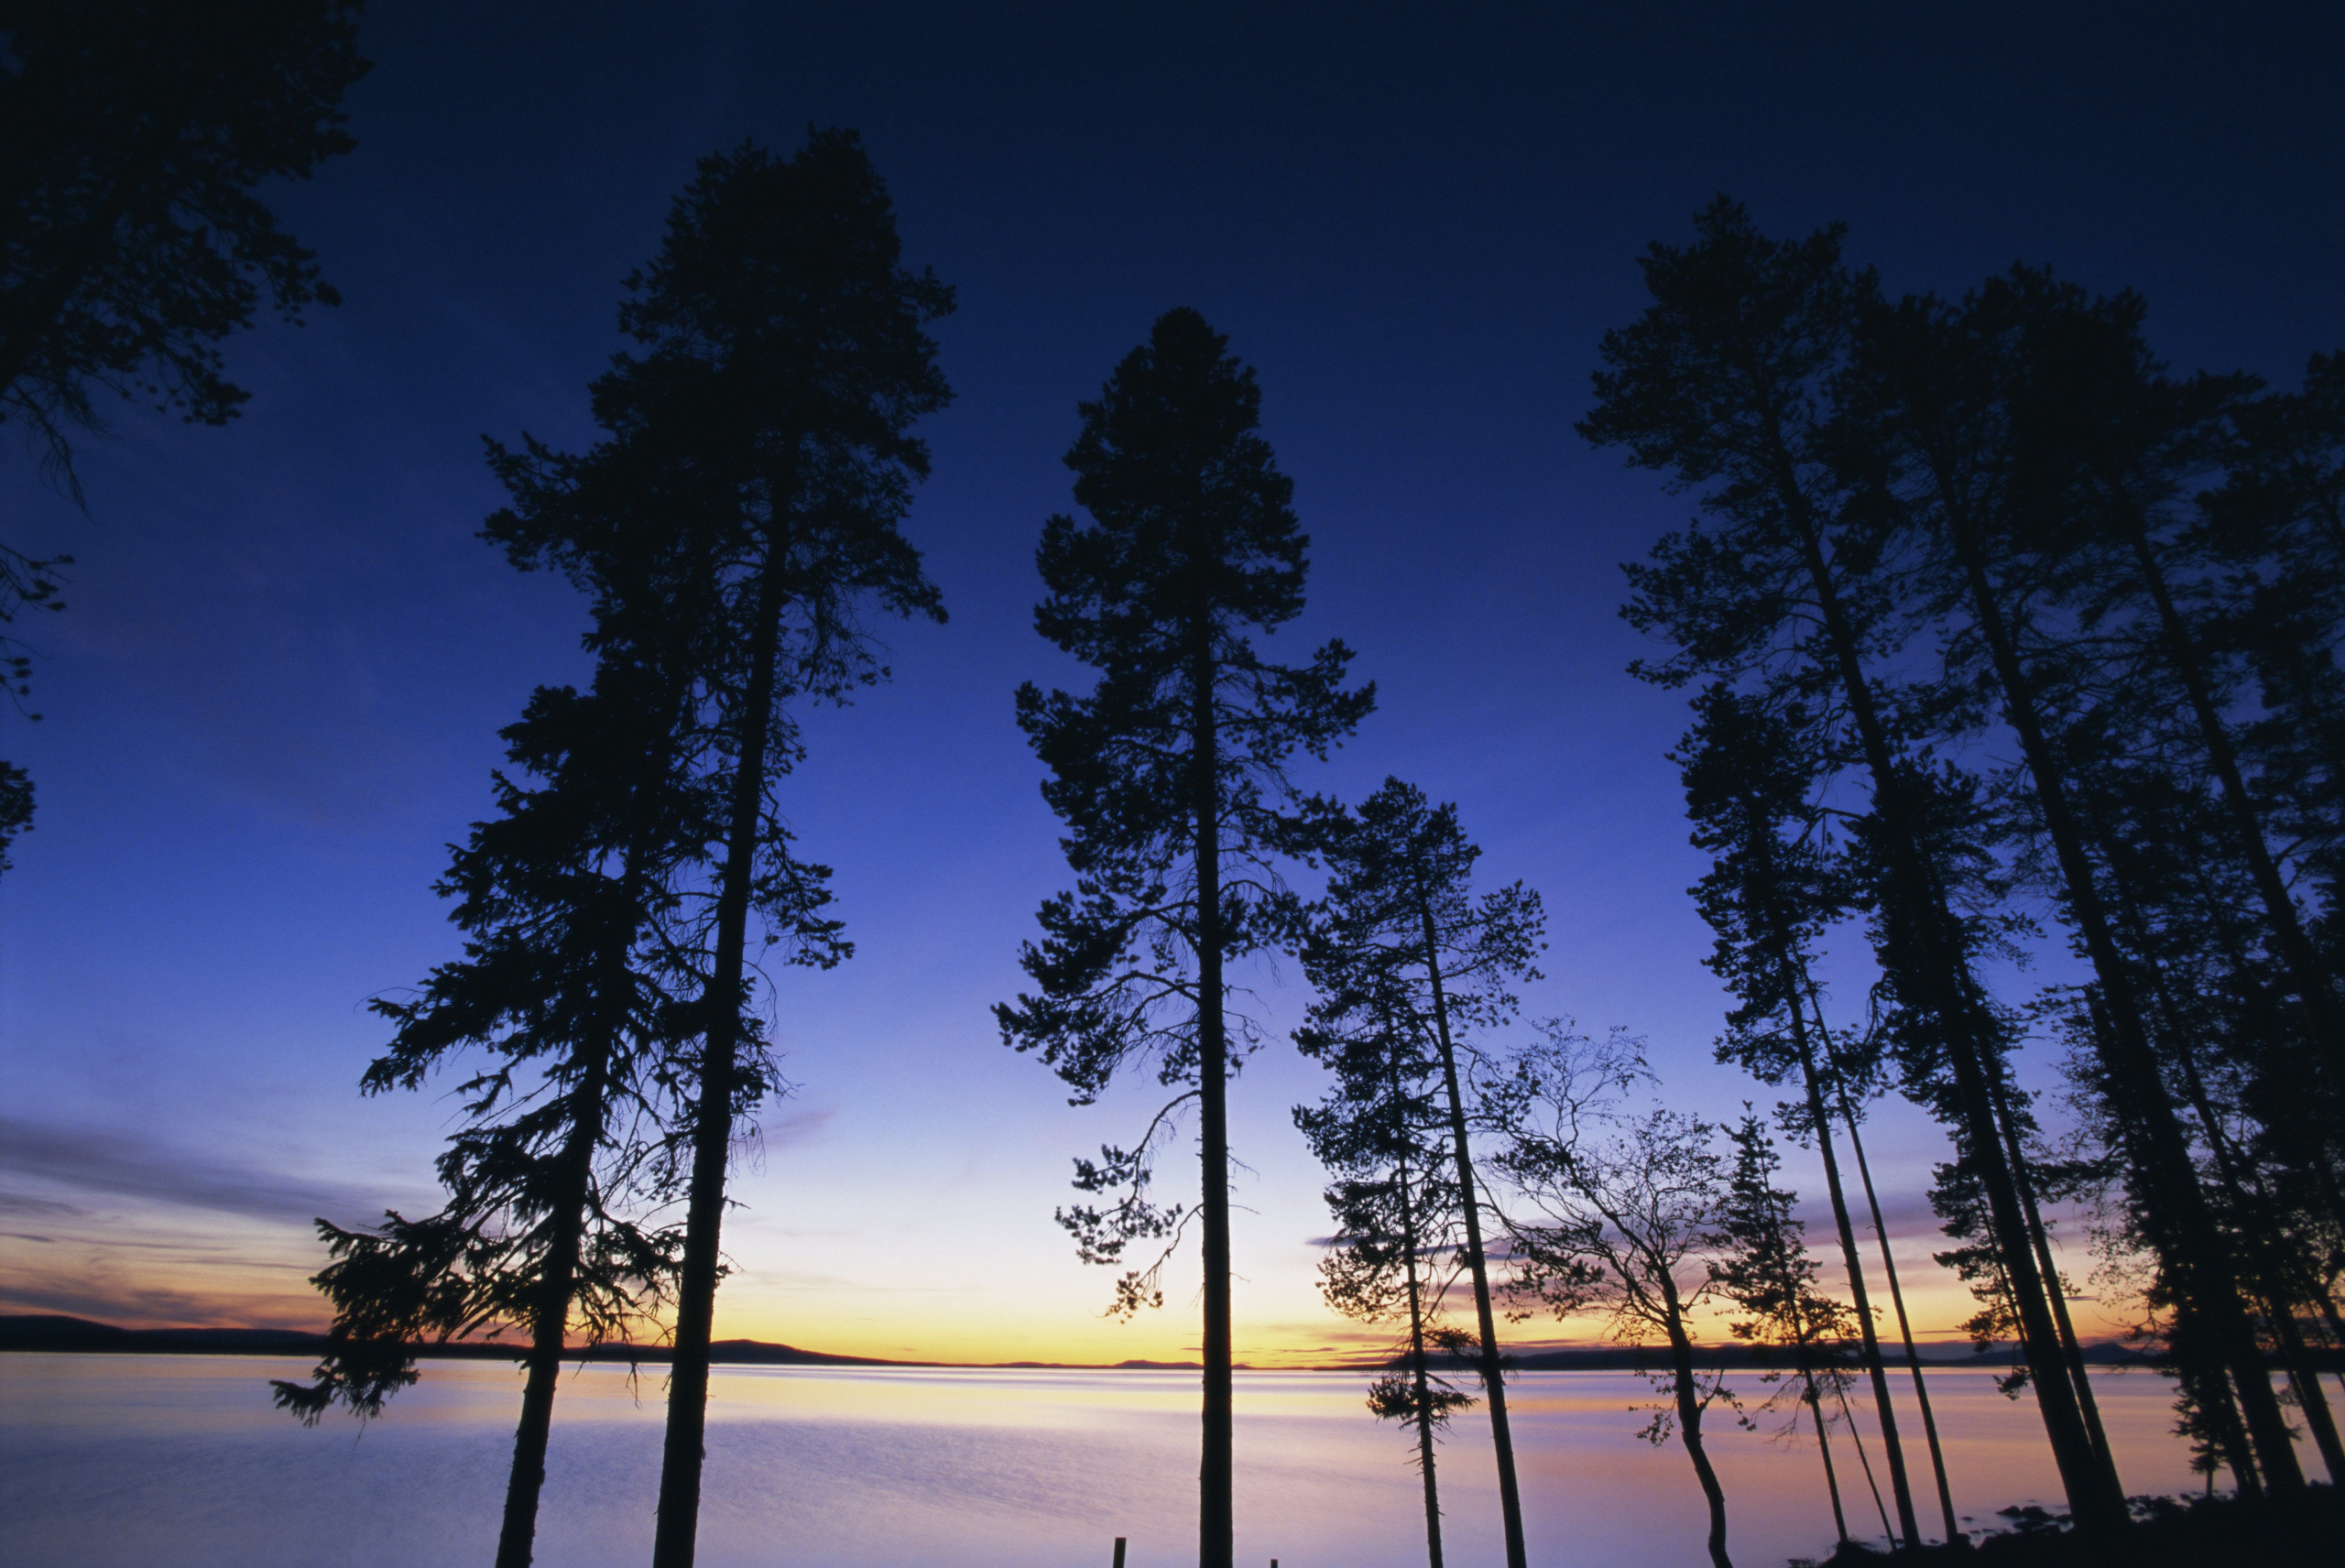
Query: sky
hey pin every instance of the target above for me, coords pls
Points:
(273, 699)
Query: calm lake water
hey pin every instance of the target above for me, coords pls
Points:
(155, 1461)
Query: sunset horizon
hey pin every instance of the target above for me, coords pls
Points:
(1305, 783)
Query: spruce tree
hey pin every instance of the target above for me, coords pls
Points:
(570, 990)
(1171, 777)
(587, 970)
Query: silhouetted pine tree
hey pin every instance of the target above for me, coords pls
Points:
(1381, 1134)
(1762, 1267)
(1938, 400)
(782, 363)
(1750, 777)
(571, 992)
(1726, 384)
(1400, 930)
(1171, 777)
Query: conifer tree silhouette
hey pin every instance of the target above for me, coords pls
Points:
(1937, 406)
(571, 990)
(1171, 775)
(1726, 384)
(784, 360)
(586, 973)
(1773, 884)
(1380, 1131)
(1762, 1267)
(1401, 931)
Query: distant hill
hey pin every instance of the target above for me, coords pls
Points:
(45, 1330)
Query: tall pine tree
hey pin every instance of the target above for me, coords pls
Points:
(784, 361)
(1171, 775)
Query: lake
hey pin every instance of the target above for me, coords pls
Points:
(117, 1461)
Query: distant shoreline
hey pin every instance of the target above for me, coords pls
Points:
(71, 1335)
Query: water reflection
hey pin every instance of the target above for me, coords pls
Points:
(145, 1460)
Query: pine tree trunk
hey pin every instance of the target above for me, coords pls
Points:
(1824, 1446)
(2212, 1392)
(1918, 921)
(2305, 1378)
(684, 1450)
(1857, 1442)
(1893, 1450)
(1954, 1533)
(1805, 1342)
(2182, 1229)
(1216, 1511)
(2039, 1240)
(1493, 1374)
(1419, 1377)
(517, 1536)
(1689, 1422)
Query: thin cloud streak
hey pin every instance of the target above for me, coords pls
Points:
(85, 1160)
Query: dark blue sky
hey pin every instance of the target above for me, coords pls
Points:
(274, 698)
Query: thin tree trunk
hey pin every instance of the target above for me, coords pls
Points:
(1917, 922)
(1857, 1441)
(2039, 1238)
(2305, 1379)
(1689, 1422)
(2212, 1390)
(1217, 1514)
(1954, 1533)
(1493, 1374)
(517, 1535)
(1805, 1342)
(2185, 1231)
(2278, 1268)
(1824, 1446)
(1894, 1452)
(1417, 1369)
(684, 1450)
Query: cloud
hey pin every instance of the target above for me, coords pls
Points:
(798, 1127)
(84, 1160)
(105, 1299)
(20, 1203)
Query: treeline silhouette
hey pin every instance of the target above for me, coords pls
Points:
(1986, 612)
